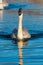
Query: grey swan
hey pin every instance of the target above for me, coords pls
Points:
(20, 33)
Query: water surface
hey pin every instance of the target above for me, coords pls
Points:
(33, 22)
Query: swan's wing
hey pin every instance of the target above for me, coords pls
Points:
(14, 33)
(26, 34)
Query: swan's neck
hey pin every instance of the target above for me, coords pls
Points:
(20, 35)
(1, 4)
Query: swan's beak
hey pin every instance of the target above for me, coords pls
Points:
(20, 11)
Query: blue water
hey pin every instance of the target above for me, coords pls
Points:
(33, 52)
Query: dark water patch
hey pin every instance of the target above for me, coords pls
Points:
(12, 6)
(6, 36)
(35, 36)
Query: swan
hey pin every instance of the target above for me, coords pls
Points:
(20, 33)
(3, 4)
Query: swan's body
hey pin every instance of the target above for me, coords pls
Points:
(3, 4)
(26, 35)
(20, 33)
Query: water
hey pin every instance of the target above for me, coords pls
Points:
(33, 22)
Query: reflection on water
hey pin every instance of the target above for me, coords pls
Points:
(1, 15)
(20, 45)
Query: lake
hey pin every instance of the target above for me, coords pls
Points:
(33, 21)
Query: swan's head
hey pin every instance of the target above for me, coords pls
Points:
(20, 12)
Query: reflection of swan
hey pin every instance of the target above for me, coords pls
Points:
(21, 33)
(3, 4)
(20, 45)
